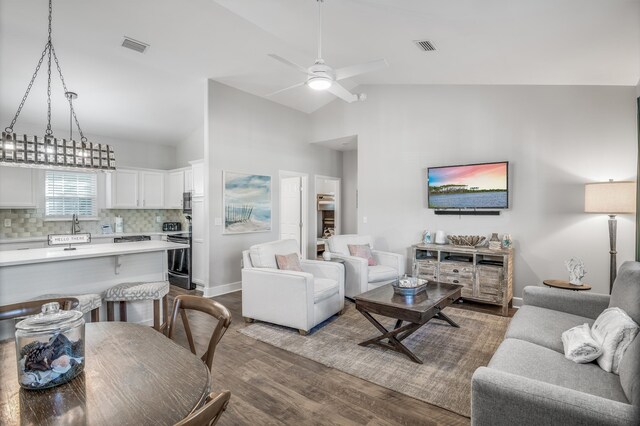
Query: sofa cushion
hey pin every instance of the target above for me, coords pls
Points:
(379, 273)
(264, 255)
(630, 372)
(543, 326)
(539, 363)
(324, 288)
(340, 243)
(626, 290)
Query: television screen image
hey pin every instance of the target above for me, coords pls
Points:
(473, 186)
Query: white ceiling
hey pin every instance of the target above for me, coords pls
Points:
(158, 96)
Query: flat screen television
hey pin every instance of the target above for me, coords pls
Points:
(470, 186)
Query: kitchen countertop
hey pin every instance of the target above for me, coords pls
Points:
(56, 254)
(43, 238)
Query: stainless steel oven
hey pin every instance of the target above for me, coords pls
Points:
(180, 262)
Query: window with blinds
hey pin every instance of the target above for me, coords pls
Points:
(67, 193)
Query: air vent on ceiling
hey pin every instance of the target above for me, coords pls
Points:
(425, 45)
(136, 45)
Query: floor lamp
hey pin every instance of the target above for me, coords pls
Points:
(610, 198)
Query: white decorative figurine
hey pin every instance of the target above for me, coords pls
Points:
(576, 270)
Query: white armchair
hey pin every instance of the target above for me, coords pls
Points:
(299, 300)
(361, 277)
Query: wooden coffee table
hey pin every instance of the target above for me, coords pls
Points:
(416, 311)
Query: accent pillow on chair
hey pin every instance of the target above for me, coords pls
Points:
(614, 330)
(289, 262)
(363, 251)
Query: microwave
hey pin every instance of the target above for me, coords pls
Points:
(186, 203)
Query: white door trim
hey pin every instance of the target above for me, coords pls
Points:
(305, 206)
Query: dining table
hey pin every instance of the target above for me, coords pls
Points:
(133, 375)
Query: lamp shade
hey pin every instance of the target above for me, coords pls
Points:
(610, 197)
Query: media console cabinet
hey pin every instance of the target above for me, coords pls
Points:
(486, 275)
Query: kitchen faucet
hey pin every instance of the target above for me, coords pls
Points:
(75, 224)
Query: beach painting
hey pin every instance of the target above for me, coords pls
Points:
(473, 186)
(246, 203)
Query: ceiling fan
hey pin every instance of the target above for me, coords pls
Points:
(322, 77)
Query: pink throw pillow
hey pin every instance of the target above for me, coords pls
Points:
(363, 251)
(289, 262)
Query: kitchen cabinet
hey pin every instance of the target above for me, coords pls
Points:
(152, 189)
(175, 187)
(188, 180)
(135, 189)
(198, 178)
(17, 187)
(122, 188)
(197, 242)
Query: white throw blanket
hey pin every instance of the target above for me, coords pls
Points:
(579, 345)
(614, 330)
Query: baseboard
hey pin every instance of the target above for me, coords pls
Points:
(517, 302)
(222, 289)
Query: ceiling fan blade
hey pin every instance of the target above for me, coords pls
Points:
(342, 93)
(289, 63)
(286, 88)
(353, 70)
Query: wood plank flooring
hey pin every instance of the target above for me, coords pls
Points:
(271, 386)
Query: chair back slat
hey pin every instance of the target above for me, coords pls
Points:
(210, 413)
(34, 307)
(185, 302)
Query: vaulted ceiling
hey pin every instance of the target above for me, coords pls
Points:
(158, 96)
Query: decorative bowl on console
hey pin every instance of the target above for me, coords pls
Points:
(466, 240)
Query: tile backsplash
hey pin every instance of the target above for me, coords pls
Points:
(31, 222)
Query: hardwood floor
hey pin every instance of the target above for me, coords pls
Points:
(271, 386)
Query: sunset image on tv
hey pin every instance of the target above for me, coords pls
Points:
(473, 186)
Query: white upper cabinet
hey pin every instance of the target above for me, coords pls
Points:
(152, 189)
(198, 178)
(135, 189)
(175, 187)
(188, 179)
(17, 187)
(123, 189)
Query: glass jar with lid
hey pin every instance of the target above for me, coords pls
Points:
(50, 347)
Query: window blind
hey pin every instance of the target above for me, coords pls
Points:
(67, 193)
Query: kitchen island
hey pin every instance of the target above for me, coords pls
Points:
(93, 268)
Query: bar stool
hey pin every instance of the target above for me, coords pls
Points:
(90, 302)
(131, 292)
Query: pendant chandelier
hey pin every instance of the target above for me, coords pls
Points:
(49, 151)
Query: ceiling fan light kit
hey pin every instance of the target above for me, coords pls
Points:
(322, 77)
(48, 151)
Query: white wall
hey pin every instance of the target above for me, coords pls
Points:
(191, 148)
(556, 139)
(128, 153)
(250, 134)
(349, 192)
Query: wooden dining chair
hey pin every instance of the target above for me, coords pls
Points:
(210, 413)
(34, 307)
(185, 302)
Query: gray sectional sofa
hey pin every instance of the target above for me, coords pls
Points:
(530, 382)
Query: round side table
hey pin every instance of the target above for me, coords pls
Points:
(566, 285)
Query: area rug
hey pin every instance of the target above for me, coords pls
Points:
(450, 355)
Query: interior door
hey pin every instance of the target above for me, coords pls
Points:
(291, 209)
